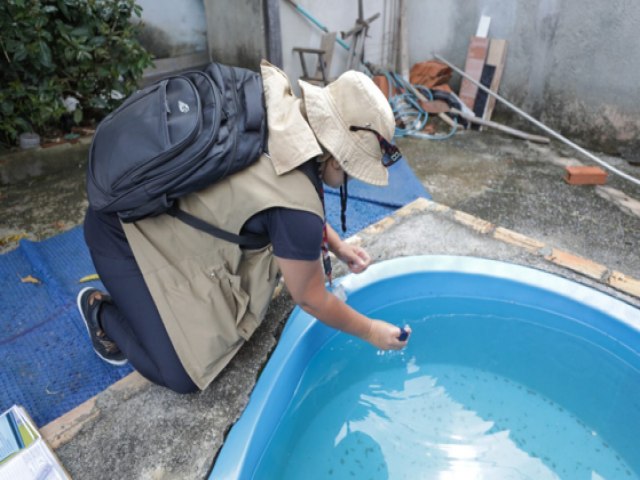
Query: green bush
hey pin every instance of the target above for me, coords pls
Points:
(50, 49)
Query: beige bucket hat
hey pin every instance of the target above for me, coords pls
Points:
(351, 100)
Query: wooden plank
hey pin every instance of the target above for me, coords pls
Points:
(476, 56)
(577, 263)
(327, 44)
(496, 58)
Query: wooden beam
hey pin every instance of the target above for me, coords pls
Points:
(496, 57)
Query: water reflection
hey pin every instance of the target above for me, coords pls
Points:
(421, 432)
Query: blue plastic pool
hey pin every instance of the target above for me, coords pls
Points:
(510, 373)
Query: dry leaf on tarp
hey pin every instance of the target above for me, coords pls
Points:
(89, 278)
(30, 279)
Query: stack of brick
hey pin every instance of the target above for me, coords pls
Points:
(432, 74)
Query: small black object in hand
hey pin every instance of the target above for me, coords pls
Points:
(404, 334)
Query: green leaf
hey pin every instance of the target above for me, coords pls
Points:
(22, 124)
(80, 32)
(77, 115)
(69, 54)
(64, 9)
(83, 55)
(39, 22)
(6, 107)
(44, 54)
(97, 41)
(20, 54)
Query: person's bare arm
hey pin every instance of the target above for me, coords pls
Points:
(356, 258)
(305, 282)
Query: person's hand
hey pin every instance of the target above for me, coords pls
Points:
(384, 336)
(356, 258)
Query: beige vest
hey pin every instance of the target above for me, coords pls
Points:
(212, 295)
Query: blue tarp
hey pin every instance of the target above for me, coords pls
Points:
(367, 204)
(48, 365)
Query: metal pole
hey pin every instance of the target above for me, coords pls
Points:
(316, 22)
(541, 125)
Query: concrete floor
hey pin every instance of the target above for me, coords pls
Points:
(137, 430)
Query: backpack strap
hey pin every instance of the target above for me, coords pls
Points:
(246, 241)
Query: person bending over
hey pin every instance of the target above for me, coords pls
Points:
(182, 302)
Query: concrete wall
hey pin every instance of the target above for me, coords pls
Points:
(572, 64)
(173, 28)
(236, 31)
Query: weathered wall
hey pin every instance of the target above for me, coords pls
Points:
(236, 31)
(173, 28)
(571, 64)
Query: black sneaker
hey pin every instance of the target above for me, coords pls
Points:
(104, 347)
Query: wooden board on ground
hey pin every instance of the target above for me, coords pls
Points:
(496, 58)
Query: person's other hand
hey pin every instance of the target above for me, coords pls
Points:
(384, 336)
(356, 258)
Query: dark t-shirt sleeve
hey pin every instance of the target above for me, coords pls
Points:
(294, 234)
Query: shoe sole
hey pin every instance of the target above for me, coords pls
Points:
(117, 363)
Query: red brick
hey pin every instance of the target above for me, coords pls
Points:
(578, 175)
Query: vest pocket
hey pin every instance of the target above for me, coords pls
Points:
(208, 305)
(227, 293)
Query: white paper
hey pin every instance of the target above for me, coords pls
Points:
(483, 26)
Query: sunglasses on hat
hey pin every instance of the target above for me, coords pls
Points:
(391, 153)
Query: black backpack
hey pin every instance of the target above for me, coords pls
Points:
(174, 137)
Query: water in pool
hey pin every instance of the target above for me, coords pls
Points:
(508, 392)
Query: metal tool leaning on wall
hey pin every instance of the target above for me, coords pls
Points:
(541, 125)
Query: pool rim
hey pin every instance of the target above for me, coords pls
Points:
(231, 461)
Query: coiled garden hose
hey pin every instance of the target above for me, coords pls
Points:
(407, 108)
